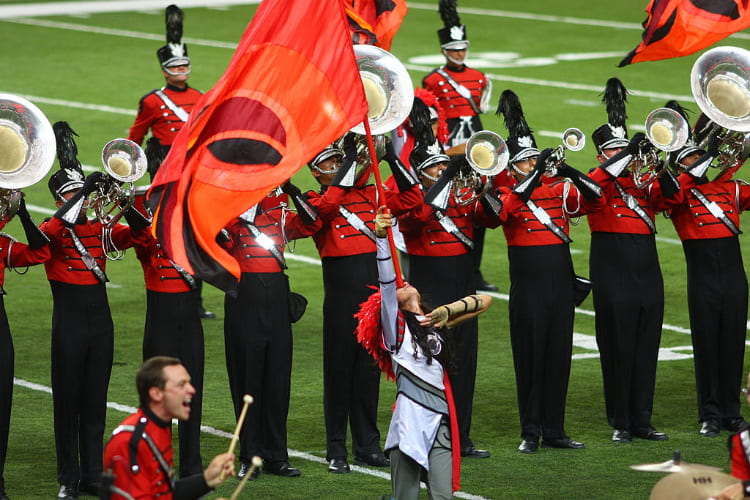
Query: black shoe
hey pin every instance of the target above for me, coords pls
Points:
(484, 286)
(472, 452)
(735, 424)
(87, 489)
(245, 468)
(282, 469)
(206, 314)
(68, 492)
(650, 433)
(338, 466)
(373, 459)
(528, 446)
(709, 428)
(622, 436)
(562, 443)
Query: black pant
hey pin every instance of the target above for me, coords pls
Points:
(442, 280)
(173, 328)
(258, 348)
(6, 384)
(717, 300)
(541, 334)
(82, 350)
(351, 379)
(629, 304)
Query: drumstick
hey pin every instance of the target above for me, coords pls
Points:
(248, 400)
(256, 462)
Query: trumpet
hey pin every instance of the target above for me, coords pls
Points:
(572, 140)
(27, 150)
(720, 82)
(667, 131)
(125, 162)
(487, 155)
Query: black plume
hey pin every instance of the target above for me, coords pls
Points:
(420, 122)
(173, 17)
(509, 107)
(448, 13)
(67, 150)
(154, 155)
(677, 107)
(615, 97)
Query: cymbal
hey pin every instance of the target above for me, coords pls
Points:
(695, 485)
(672, 466)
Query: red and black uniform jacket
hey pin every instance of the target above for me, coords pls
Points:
(65, 263)
(159, 271)
(693, 220)
(560, 201)
(615, 216)
(138, 454)
(15, 254)
(452, 102)
(425, 236)
(336, 237)
(154, 114)
(739, 454)
(275, 222)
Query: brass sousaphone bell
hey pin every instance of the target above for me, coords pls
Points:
(27, 149)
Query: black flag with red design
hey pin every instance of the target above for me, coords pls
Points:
(676, 28)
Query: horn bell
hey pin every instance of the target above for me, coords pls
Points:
(487, 153)
(720, 82)
(388, 89)
(667, 129)
(573, 139)
(124, 160)
(27, 143)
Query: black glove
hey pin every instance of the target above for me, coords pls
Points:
(669, 184)
(136, 220)
(402, 175)
(454, 167)
(635, 143)
(491, 203)
(345, 177)
(306, 212)
(71, 210)
(350, 147)
(713, 143)
(93, 181)
(34, 235)
(527, 185)
(437, 196)
(587, 186)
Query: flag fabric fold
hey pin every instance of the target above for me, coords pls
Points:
(291, 88)
(675, 28)
(375, 22)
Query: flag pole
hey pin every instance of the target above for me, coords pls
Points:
(381, 198)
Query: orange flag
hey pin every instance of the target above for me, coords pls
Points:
(375, 22)
(291, 88)
(677, 28)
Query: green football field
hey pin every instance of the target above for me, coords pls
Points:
(90, 62)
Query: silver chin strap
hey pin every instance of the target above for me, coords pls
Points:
(324, 172)
(518, 171)
(428, 177)
(454, 60)
(175, 73)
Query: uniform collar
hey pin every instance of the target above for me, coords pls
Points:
(152, 416)
(177, 89)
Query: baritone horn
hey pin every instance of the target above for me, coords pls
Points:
(720, 82)
(487, 155)
(666, 130)
(125, 162)
(573, 139)
(27, 149)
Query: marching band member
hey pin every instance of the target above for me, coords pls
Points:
(439, 240)
(626, 278)
(164, 111)
(411, 346)
(258, 329)
(535, 218)
(173, 323)
(140, 454)
(706, 215)
(346, 243)
(82, 329)
(463, 93)
(13, 255)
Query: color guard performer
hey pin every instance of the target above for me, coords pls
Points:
(258, 329)
(626, 278)
(439, 240)
(346, 243)
(173, 323)
(706, 215)
(82, 329)
(14, 255)
(535, 218)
